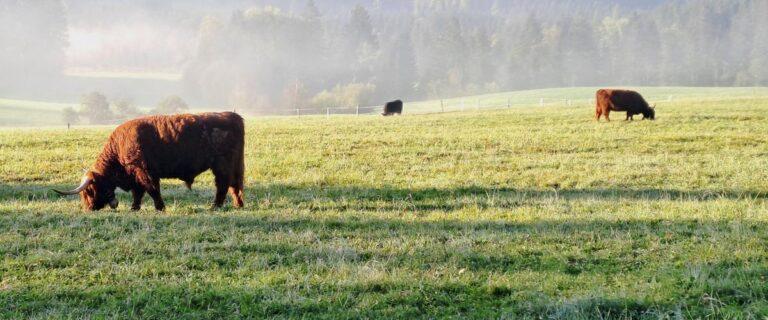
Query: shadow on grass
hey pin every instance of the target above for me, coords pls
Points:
(236, 247)
(392, 300)
(320, 198)
(294, 241)
(382, 299)
(448, 199)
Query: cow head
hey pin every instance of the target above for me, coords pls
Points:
(96, 192)
(650, 113)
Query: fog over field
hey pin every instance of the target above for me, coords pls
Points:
(274, 56)
(494, 195)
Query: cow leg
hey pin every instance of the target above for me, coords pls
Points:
(138, 194)
(598, 114)
(150, 185)
(154, 192)
(607, 117)
(236, 185)
(188, 182)
(222, 184)
(223, 179)
(237, 196)
(629, 116)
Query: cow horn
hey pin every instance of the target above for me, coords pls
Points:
(654, 106)
(86, 181)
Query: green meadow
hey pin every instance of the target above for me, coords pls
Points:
(522, 212)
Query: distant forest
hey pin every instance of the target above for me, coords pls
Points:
(265, 58)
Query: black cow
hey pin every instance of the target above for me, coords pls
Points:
(393, 108)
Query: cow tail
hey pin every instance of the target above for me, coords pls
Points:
(239, 174)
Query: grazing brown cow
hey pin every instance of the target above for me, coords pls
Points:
(622, 100)
(140, 152)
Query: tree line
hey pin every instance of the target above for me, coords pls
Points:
(95, 108)
(265, 59)
(272, 59)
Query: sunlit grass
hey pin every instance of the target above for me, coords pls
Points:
(519, 213)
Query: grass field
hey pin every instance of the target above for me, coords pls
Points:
(519, 213)
(30, 113)
(17, 113)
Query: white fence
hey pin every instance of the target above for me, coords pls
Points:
(448, 105)
(435, 106)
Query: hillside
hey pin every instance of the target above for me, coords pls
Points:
(520, 213)
(30, 113)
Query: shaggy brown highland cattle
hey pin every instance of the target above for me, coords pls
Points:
(140, 152)
(622, 100)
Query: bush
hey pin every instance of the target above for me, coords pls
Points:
(126, 110)
(171, 105)
(95, 108)
(70, 116)
(351, 95)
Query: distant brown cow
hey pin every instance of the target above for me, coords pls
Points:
(622, 100)
(140, 152)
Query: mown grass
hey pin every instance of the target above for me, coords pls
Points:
(520, 213)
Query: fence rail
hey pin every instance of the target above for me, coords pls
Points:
(444, 105)
(449, 105)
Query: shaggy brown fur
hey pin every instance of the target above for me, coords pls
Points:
(622, 100)
(140, 152)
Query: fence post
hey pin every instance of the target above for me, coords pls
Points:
(298, 113)
(541, 102)
(442, 106)
(509, 103)
(327, 113)
(67, 125)
(357, 110)
(569, 102)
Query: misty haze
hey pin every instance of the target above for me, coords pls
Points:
(272, 57)
(384, 159)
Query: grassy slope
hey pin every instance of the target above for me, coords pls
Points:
(450, 215)
(23, 113)
(144, 89)
(15, 113)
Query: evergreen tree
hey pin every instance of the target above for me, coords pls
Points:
(396, 75)
(524, 49)
(360, 29)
